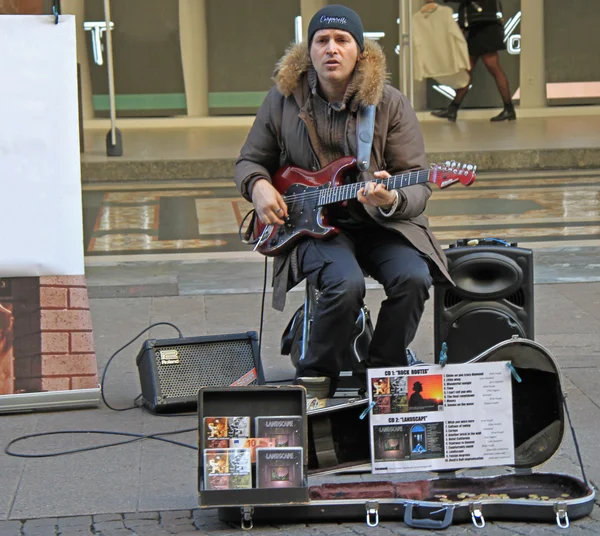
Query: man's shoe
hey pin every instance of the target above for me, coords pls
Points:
(508, 114)
(449, 113)
(411, 358)
(316, 386)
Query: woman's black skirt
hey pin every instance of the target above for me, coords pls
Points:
(485, 38)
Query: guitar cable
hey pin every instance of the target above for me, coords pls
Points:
(245, 238)
(262, 312)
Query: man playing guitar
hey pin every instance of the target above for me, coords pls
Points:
(309, 120)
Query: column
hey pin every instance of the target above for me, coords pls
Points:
(419, 87)
(194, 55)
(533, 64)
(76, 7)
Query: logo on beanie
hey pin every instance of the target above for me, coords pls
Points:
(332, 20)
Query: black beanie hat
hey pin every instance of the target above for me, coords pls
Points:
(339, 18)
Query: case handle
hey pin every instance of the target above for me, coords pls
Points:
(426, 523)
(562, 517)
(477, 515)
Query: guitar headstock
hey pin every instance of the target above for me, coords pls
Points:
(449, 173)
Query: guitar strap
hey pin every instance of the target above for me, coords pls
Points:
(365, 126)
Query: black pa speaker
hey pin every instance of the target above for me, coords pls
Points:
(173, 370)
(492, 300)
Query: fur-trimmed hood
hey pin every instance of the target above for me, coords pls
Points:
(370, 72)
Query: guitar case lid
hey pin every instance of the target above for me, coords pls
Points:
(339, 439)
(538, 411)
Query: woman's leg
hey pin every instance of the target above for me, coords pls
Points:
(462, 92)
(451, 112)
(492, 64)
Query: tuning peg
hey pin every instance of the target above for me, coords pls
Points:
(464, 166)
(470, 167)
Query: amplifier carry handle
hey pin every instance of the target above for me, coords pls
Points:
(425, 523)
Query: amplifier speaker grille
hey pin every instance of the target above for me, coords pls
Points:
(173, 370)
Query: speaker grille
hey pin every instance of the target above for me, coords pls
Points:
(517, 298)
(210, 364)
(451, 299)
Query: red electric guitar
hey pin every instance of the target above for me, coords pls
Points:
(307, 193)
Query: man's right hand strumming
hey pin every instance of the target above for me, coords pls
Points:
(268, 203)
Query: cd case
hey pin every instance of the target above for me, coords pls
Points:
(287, 430)
(279, 467)
(218, 430)
(227, 468)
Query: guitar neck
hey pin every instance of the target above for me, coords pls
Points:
(350, 191)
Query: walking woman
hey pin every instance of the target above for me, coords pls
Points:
(485, 38)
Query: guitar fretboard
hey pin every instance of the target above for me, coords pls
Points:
(350, 191)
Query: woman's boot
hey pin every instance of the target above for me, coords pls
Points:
(448, 113)
(508, 114)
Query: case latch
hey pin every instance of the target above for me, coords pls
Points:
(247, 522)
(562, 518)
(372, 513)
(477, 514)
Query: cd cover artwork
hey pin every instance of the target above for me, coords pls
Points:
(287, 430)
(227, 469)
(218, 430)
(279, 467)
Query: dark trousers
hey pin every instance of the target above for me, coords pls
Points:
(336, 268)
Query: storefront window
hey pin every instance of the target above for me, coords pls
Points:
(483, 92)
(571, 52)
(245, 40)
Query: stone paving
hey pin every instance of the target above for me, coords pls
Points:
(200, 522)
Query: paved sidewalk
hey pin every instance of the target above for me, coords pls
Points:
(565, 138)
(149, 487)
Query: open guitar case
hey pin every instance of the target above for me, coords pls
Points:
(338, 442)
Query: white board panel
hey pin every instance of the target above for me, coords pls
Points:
(41, 228)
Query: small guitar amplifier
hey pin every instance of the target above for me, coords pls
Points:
(173, 370)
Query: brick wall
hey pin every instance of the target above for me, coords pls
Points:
(68, 359)
(53, 339)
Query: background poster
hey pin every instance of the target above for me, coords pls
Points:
(46, 338)
(41, 216)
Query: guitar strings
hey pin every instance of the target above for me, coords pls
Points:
(347, 188)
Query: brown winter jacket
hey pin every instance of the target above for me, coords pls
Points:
(284, 133)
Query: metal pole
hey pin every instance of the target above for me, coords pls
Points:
(298, 29)
(111, 78)
(403, 58)
(400, 45)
